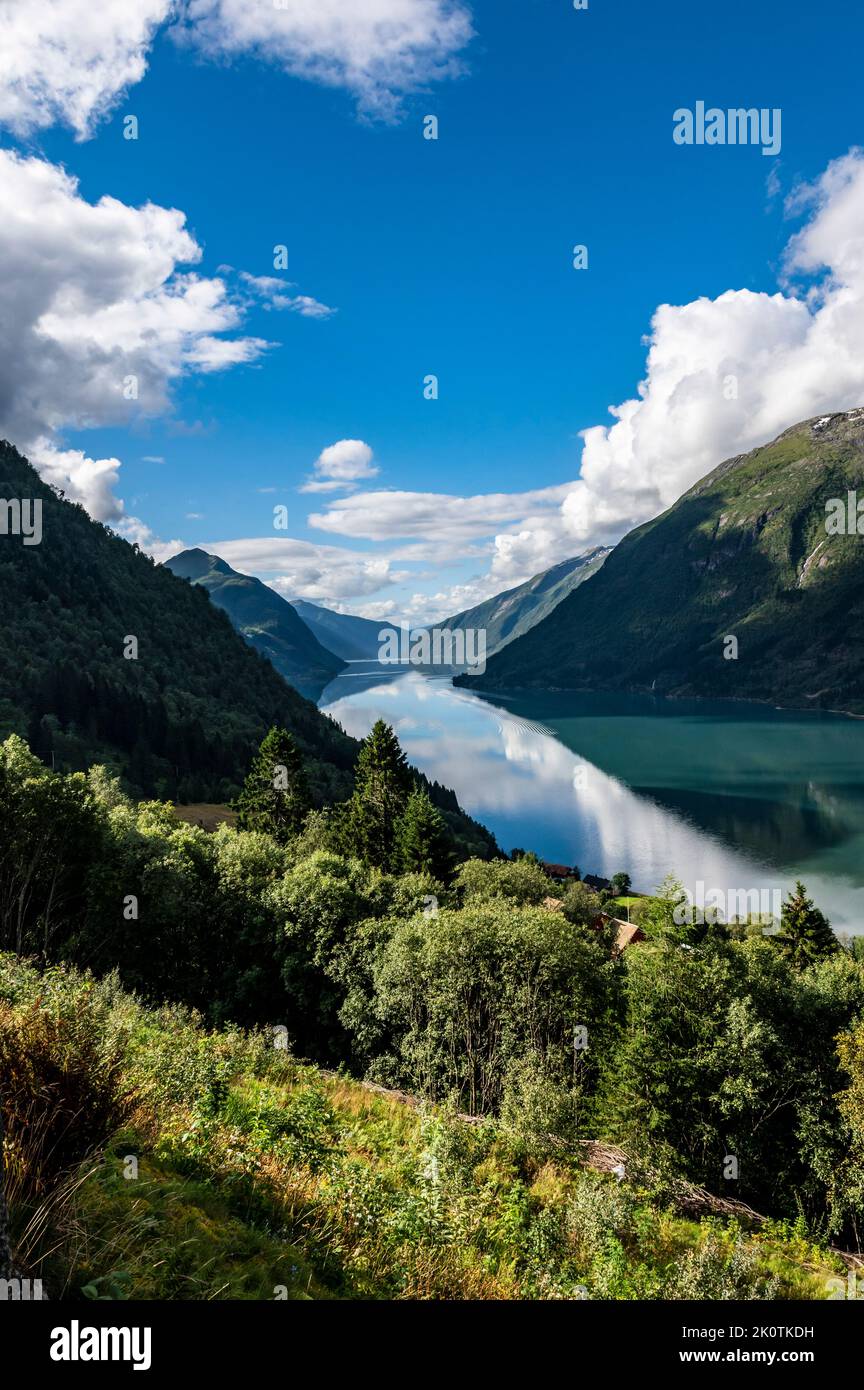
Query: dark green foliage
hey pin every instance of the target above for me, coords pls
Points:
(422, 843)
(520, 881)
(382, 786)
(805, 933)
(468, 996)
(729, 1052)
(181, 721)
(696, 1048)
(580, 905)
(275, 798)
(621, 884)
(744, 553)
(50, 834)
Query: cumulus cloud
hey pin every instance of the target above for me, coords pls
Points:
(722, 376)
(97, 320)
(301, 569)
(88, 481)
(340, 466)
(432, 515)
(69, 61)
(726, 374)
(379, 51)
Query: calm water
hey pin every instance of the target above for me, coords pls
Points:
(735, 796)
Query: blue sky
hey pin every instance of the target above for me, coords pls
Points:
(453, 257)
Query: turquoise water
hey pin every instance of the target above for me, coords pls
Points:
(733, 796)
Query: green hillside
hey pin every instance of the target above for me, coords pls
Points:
(345, 1077)
(267, 621)
(744, 554)
(511, 614)
(184, 718)
(260, 1177)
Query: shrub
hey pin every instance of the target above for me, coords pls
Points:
(466, 994)
(63, 1093)
(522, 882)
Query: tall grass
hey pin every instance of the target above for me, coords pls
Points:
(151, 1158)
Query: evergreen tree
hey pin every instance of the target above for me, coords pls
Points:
(275, 796)
(805, 934)
(422, 839)
(382, 786)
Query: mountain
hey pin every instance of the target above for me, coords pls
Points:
(182, 717)
(513, 613)
(353, 639)
(267, 621)
(107, 657)
(745, 554)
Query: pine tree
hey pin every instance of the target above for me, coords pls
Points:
(422, 839)
(805, 934)
(382, 786)
(275, 796)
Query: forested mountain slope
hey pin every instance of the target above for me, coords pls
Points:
(747, 554)
(183, 716)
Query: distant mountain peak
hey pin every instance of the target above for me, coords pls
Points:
(266, 620)
(195, 562)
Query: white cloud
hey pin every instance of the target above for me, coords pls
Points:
(69, 60)
(722, 376)
(93, 310)
(301, 569)
(378, 50)
(88, 481)
(341, 466)
(210, 354)
(433, 515)
(788, 356)
(273, 294)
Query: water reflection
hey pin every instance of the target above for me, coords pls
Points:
(735, 797)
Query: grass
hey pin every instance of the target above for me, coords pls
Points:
(227, 1169)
